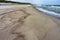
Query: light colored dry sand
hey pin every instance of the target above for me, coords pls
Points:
(13, 17)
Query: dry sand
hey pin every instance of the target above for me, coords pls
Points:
(12, 17)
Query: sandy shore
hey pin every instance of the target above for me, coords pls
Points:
(10, 16)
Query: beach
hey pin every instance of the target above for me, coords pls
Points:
(10, 16)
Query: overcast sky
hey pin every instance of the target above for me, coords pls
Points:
(55, 2)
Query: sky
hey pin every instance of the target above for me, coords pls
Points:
(48, 2)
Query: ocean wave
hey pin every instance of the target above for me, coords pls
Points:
(49, 12)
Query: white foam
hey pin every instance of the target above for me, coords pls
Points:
(49, 12)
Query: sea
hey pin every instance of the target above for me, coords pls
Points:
(52, 10)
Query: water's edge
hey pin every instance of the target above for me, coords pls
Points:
(49, 12)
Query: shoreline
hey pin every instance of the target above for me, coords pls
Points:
(51, 13)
